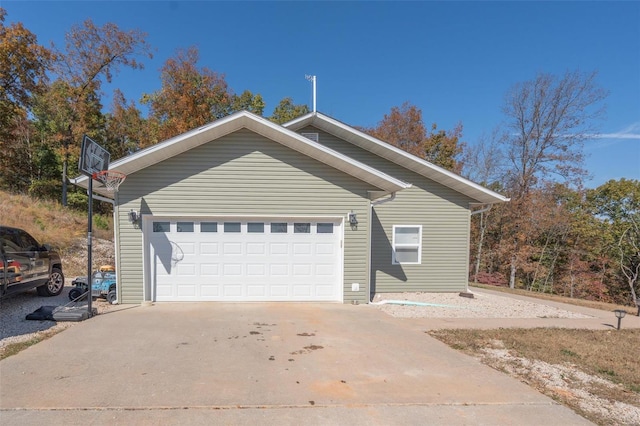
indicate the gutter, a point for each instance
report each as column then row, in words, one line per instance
column 384, row 200
column 105, row 199
column 486, row 209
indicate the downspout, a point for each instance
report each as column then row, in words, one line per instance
column 371, row 205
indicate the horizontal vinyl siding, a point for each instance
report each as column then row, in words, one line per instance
column 444, row 216
column 243, row 174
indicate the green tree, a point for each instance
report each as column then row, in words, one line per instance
column 23, row 67
column 126, row 130
column 249, row 102
column 72, row 105
column 617, row 204
column 286, row 111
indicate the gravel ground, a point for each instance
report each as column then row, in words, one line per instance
column 14, row 328
column 566, row 380
column 452, row 305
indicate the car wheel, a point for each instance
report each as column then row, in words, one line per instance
column 75, row 294
column 54, row 286
column 112, row 296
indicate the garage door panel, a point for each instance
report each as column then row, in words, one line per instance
column 246, row 260
column 300, row 249
column 302, row 290
column 278, row 249
column 303, row 270
column 279, row 270
column 325, row 249
column 209, row 290
column 326, row 269
column 209, row 270
column 232, row 290
column 278, row 291
column 232, row 269
column 186, row 269
column 256, row 291
column 256, row 248
column 256, row 269
column 232, row 248
column 188, row 248
column 186, row 291
column 209, row 248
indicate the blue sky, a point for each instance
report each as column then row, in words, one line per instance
column 454, row 60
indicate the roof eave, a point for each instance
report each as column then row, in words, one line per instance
column 398, row 156
column 243, row 119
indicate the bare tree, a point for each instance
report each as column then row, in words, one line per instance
column 483, row 163
column 548, row 119
column 630, row 258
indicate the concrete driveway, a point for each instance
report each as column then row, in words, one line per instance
column 266, row 363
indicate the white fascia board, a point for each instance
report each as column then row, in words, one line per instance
column 398, row 156
column 243, row 119
column 167, row 149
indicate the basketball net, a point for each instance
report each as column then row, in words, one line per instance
column 111, row 179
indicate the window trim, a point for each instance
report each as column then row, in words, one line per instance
column 395, row 245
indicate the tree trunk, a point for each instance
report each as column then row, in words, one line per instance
column 512, row 276
column 483, row 226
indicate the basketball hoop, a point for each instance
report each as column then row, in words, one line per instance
column 110, row 178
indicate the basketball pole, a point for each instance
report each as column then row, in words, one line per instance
column 89, row 227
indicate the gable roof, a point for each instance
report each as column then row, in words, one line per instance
column 436, row 173
column 246, row 120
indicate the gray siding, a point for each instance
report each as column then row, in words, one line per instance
column 242, row 174
column 443, row 213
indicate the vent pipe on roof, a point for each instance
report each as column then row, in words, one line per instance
column 312, row 79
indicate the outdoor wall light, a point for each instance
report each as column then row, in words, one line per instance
column 133, row 216
column 620, row 313
column 353, row 219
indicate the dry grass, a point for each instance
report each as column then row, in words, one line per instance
column 51, row 223
column 611, row 355
column 556, row 298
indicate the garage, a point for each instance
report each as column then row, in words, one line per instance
column 244, row 259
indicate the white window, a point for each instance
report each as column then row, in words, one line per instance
column 407, row 244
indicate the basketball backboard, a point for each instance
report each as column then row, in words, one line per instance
column 93, row 157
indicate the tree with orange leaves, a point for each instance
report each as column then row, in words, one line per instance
column 404, row 128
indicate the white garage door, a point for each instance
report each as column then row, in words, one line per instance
column 245, row 259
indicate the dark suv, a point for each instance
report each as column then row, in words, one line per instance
column 25, row 264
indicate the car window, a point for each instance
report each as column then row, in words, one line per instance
column 11, row 241
column 28, row 243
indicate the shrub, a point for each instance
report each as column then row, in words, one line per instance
column 101, row 222
column 77, row 201
column 491, row 278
